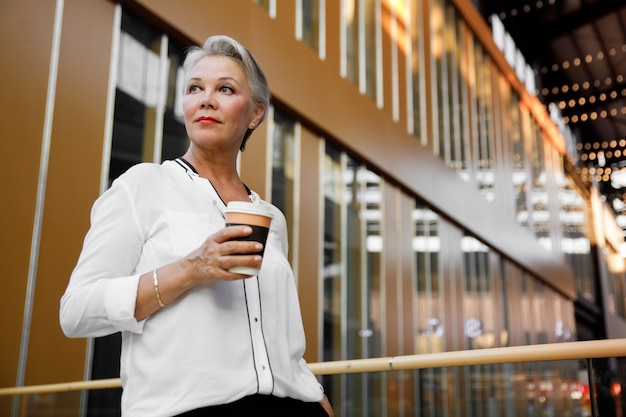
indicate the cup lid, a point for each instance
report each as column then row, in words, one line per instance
column 250, row 208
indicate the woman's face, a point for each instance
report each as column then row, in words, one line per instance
column 217, row 104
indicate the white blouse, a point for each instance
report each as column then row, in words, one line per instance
column 213, row 345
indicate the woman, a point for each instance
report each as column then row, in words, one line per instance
column 197, row 340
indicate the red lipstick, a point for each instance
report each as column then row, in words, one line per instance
column 206, row 120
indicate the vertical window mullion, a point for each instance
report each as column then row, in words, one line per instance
column 343, row 276
column 474, row 131
column 269, row 152
column 434, row 81
column 344, row 257
column 455, row 94
column 343, row 41
column 395, row 70
column 295, row 227
column 421, row 62
column 333, row 266
column 272, row 9
column 44, row 163
column 362, row 47
column 161, row 99
column 361, row 196
column 379, row 53
column 464, row 104
column 299, row 20
column 110, row 103
column 322, row 30
column 408, row 68
column 444, row 85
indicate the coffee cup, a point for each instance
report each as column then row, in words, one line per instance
column 258, row 217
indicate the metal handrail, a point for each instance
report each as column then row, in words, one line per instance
column 609, row 348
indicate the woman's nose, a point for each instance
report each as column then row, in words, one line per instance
column 208, row 100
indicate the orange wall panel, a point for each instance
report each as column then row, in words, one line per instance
column 25, row 33
column 308, row 274
column 73, row 182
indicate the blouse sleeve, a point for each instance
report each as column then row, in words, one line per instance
column 101, row 295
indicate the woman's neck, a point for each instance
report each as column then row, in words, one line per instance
column 213, row 166
column 223, row 176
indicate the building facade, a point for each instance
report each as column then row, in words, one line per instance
column 430, row 199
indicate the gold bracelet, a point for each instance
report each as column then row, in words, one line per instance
column 155, row 280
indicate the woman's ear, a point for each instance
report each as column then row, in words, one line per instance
column 259, row 111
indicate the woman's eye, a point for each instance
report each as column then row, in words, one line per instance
column 227, row 89
column 193, row 88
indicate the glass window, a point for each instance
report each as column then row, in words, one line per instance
column 527, row 311
column 483, row 118
column 332, row 266
column 416, row 62
column 478, row 296
column 175, row 140
column 353, row 285
column 269, row 5
column 310, row 22
column 478, row 320
column 518, row 155
column 136, row 96
column 439, row 114
column 540, row 308
column 369, row 81
column 361, row 34
column 458, row 95
column 373, row 327
column 427, row 246
column 363, row 282
column 148, row 123
column 575, row 243
column 539, row 196
column 430, row 306
column 503, row 312
column 284, row 171
column 616, row 301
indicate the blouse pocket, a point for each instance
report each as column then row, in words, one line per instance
column 190, row 230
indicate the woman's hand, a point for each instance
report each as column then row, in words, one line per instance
column 205, row 265
column 221, row 252
column 327, row 407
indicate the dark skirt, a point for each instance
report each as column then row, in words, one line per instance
column 261, row 406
